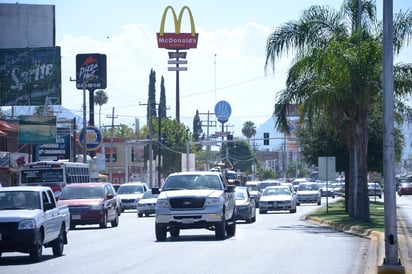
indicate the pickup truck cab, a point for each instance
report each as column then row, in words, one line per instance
column 195, row 199
column 30, row 220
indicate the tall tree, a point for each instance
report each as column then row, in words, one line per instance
column 337, row 72
column 249, row 129
column 197, row 129
column 151, row 102
column 100, row 98
column 162, row 102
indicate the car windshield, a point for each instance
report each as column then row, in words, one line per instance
column 308, row 187
column 276, row 191
column 240, row 195
column 149, row 195
column 82, row 192
column 179, row 182
column 130, row 189
column 252, row 187
column 19, row 200
column 374, row 185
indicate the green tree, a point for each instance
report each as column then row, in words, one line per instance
column 337, row 72
column 178, row 135
column 100, row 98
column 162, row 102
column 239, row 154
column 120, row 131
column 197, row 130
column 249, row 129
column 151, row 102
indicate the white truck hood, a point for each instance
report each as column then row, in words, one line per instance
column 14, row 215
column 191, row 193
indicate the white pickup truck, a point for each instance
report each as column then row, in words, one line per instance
column 195, row 199
column 30, row 220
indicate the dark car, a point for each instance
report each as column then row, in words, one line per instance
column 245, row 205
column 91, row 203
column 405, row 189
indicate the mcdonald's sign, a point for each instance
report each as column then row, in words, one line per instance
column 178, row 39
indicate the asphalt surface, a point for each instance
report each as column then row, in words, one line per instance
column 377, row 246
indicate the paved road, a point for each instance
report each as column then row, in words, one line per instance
column 276, row 243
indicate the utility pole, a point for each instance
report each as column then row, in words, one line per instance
column 209, row 124
column 111, row 147
column 390, row 226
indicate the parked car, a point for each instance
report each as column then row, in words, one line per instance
column 405, row 189
column 245, row 205
column 275, row 198
column 90, row 203
column 374, row 189
column 131, row 193
column 327, row 189
column 253, row 187
column 147, row 204
column 308, row 193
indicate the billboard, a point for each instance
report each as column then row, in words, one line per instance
column 178, row 39
column 27, row 26
column 30, row 76
column 37, row 130
column 91, row 71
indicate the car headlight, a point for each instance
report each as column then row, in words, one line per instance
column 162, row 203
column 213, row 201
column 96, row 207
column 27, row 224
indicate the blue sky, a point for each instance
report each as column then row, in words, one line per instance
column 227, row 65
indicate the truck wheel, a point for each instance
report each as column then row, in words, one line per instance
column 139, row 214
column 115, row 222
column 175, row 232
column 220, row 229
column 103, row 224
column 36, row 250
column 231, row 226
column 160, row 232
column 58, row 244
column 319, row 202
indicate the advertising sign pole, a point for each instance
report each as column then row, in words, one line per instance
column 84, row 124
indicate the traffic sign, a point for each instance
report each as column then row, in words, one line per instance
column 223, row 111
column 176, row 62
column 177, row 68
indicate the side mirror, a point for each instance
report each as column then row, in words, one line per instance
column 110, row 196
column 155, row 190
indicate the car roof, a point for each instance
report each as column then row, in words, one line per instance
column 86, row 184
column 24, row 188
column 195, row 173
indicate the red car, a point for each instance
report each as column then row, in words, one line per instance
column 405, row 189
column 91, row 203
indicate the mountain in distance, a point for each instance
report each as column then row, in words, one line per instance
column 59, row 111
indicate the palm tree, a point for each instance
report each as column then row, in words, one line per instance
column 100, row 98
column 337, row 75
column 249, row 129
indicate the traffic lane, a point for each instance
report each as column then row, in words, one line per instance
column 404, row 208
column 277, row 242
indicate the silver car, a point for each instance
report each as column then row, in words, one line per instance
column 308, row 193
column 276, row 198
column 147, row 204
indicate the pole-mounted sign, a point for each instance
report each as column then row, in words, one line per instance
column 91, row 71
column 178, row 39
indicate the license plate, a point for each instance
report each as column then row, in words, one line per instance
column 76, row 217
column 187, row 221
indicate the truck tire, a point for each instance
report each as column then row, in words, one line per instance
column 58, row 244
column 36, row 251
column 103, row 224
column 139, row 214
column 231, row 226
column 160, row 232
column 174, row 232
column 220, row 229
column 115, row 222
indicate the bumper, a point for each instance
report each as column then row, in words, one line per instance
column 14, row 240
column 275, row 206
column 86, row 219
column 189, row 219
column 128, row 205
column 242, row 213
